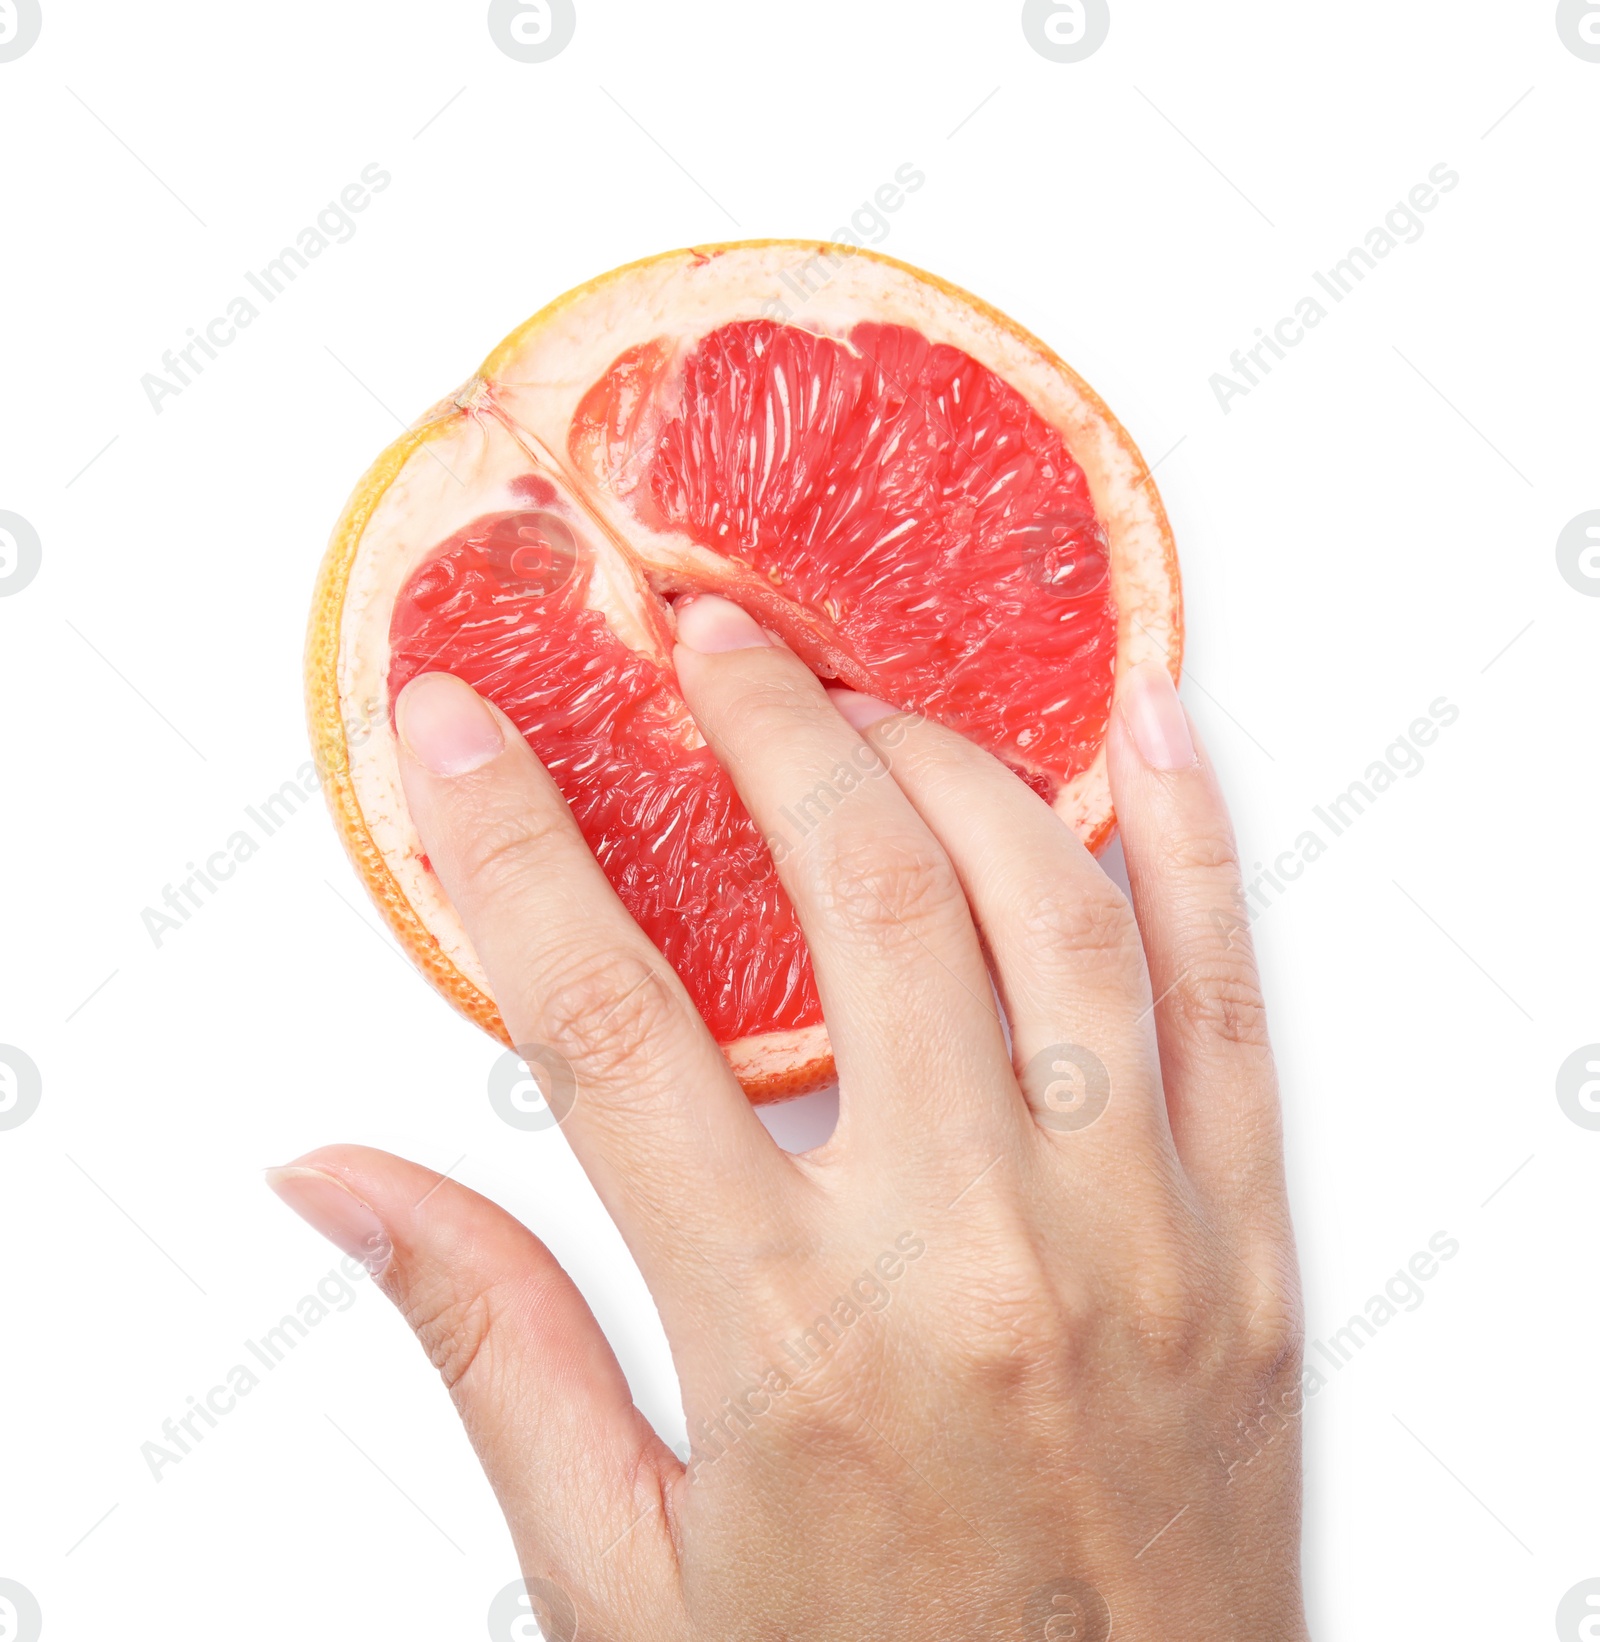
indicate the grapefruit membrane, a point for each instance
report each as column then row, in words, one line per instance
column 914, row 493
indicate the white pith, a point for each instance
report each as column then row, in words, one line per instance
column 526, row 405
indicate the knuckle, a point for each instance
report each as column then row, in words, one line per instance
column 498, row 846
column 1021, row 1334
column 607, row 1013
column 1273, row 1341
column 875, row 885
column 1175, row 1330
column 1206, row 851
column 774, row 705
column 1176, row 1289
column 1271, row 1336
column 1098, row 924
column 1219, row 996
column 453, row 1326
column 820, row 1417
column 819, row 1369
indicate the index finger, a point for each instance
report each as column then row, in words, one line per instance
column 655, row 1104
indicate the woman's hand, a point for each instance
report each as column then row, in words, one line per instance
column 1016, row 1354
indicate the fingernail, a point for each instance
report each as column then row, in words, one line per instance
column 859, row 711
column 1155, row 717
column 712, row 625
column 328, row 1206
column 448, row 728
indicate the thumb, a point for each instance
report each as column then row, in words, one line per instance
column 577, row 1468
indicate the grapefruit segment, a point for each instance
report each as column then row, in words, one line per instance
column 936, row 527
column 495, row 607
column 921, row 499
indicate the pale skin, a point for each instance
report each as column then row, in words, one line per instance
column 1058, row 1398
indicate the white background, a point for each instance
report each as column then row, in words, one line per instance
column 1365, row 532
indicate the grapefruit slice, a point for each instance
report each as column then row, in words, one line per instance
column 916, row 494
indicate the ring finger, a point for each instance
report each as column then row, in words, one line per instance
column 1061, row 936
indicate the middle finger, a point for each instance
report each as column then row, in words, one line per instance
column 904, row 988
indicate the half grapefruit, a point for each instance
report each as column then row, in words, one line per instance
column 916, row 494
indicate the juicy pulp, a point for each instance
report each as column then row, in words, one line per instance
column 892, row 507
